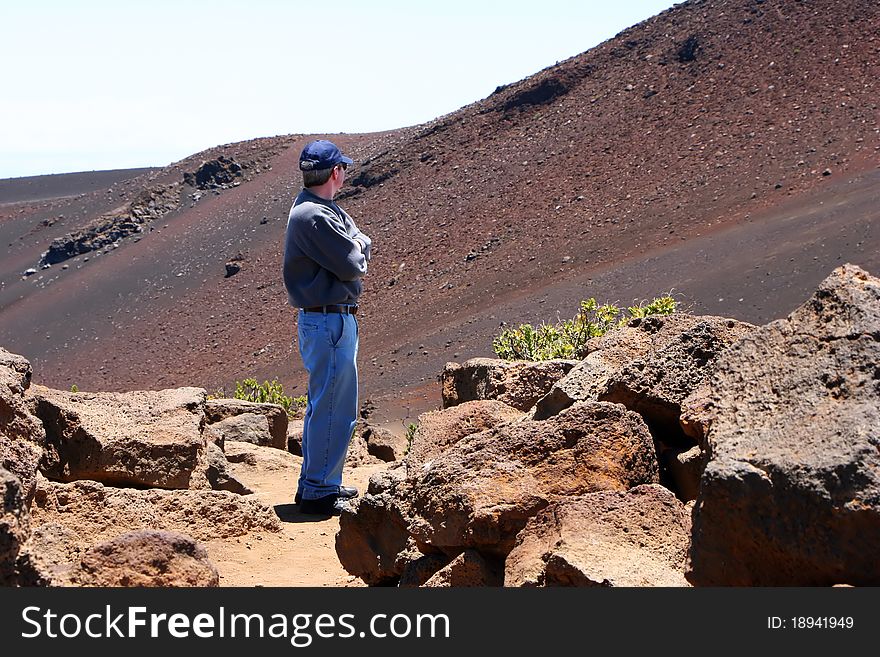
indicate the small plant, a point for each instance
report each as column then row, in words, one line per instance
column 269, row 392
column 410, row 435
column 568, row 339
column 219, row 393
column 74, row 388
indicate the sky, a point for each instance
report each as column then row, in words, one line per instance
column 95, row 85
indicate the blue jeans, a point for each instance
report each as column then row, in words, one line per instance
column 328, row 345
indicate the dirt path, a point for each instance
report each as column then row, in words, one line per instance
column 303, row 554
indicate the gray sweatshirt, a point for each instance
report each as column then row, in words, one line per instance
column 325, row 254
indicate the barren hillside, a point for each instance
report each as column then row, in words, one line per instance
column 726, row 149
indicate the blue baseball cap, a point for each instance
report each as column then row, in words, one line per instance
column 321, row 154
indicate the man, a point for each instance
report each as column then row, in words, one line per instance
column 325, row 257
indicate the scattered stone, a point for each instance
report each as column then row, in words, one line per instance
column 264, row 458
column 373, row 531
column 218, row 475
column 419, row 571
column 437, row 431
column 650, row 365
column 295, row 437
column 99, row 512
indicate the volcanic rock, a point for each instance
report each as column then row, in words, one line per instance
column 295, row 437
column 374, row 542
column 217, row 410
column 468, row 569
column 147, row 558
column 790, row 420
column 146, row 438
column 105, row 230
column 650, row 366
column 610, row 538
column 22, row 436
column 437, row 431
column 420, row 570
column 373, row 532
column 480, row 492
column 519, row 384
column 246, row 428
column 69, row 519
column 384, row 444
column 218, row 475
column 14, row 525
column 220, row 172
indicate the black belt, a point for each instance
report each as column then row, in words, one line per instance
column 345, row 310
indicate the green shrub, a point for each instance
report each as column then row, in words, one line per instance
column 74, row 388
column 269, row 392
column 568, row 339
column 410, row 435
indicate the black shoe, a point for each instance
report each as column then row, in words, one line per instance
column 345, row 492
column 329, row 505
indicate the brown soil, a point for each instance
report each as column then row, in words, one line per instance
column 304, row 553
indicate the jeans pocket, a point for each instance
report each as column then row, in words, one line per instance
column 335, row 328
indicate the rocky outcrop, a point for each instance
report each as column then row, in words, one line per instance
column 109, row 229
column 22, row 437
column 69, row 519
column 634, row 538
column 146, row 558
column 481, row 492
column 474, row 476
column 147, row 438
column 221, row 172
column 519, row 384
column 650, row 366
column 218, row 410
column 790, row 421
column 14, row 526
column 437, row 431
column 373, row 539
